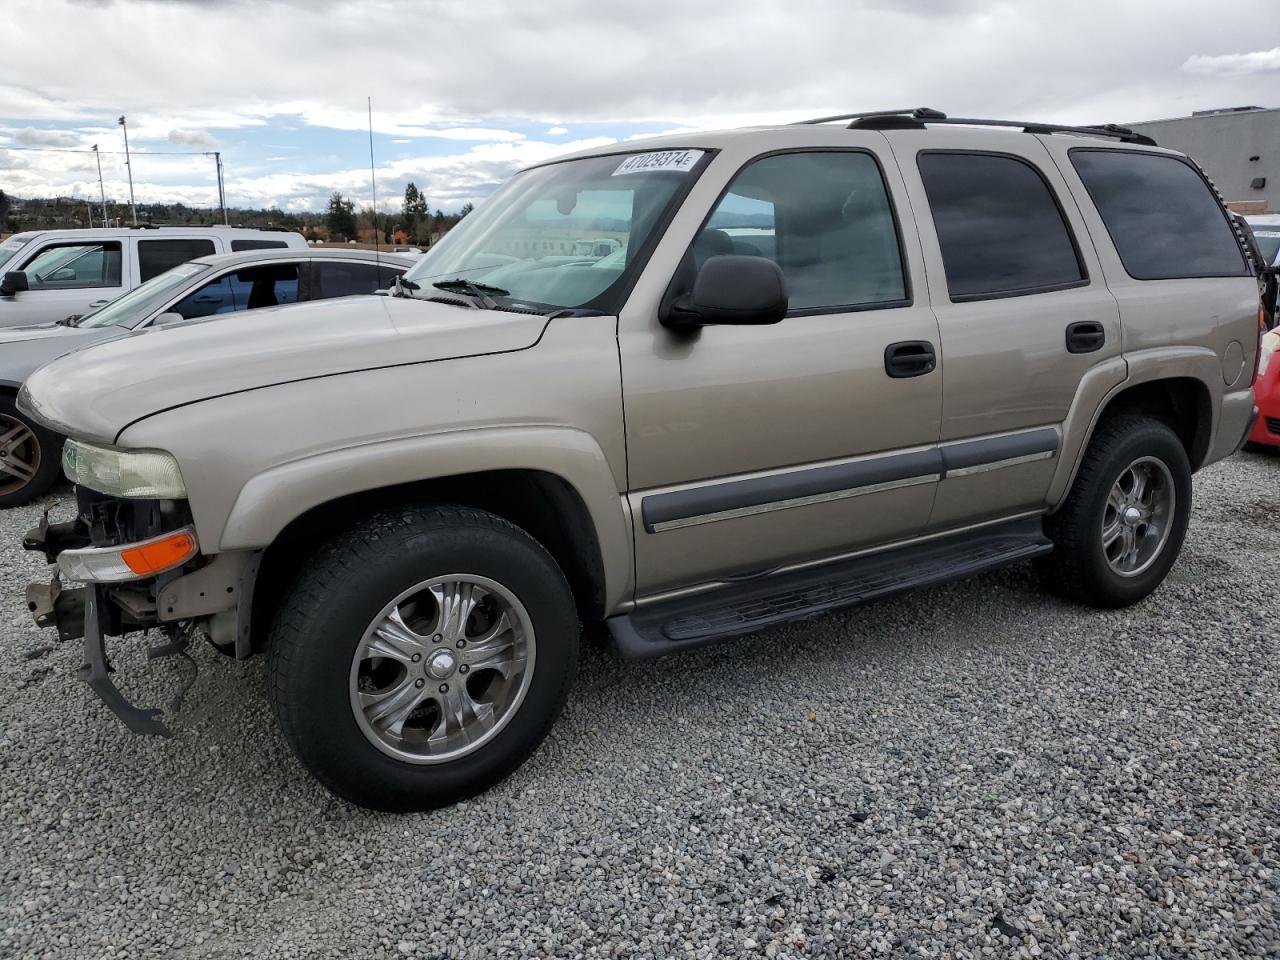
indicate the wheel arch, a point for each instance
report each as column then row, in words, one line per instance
column 1176, row 392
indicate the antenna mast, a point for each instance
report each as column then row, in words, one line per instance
column 373, row 180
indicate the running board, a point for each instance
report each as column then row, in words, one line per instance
column 730, row 611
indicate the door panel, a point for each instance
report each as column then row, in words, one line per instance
column 1010, row 375
column 753, row 447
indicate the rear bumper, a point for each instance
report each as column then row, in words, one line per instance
column 1267, row 390
column 1234, row 423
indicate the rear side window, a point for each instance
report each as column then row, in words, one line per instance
column 337, row 279
column 824, row 218
column 238, row 245
column 157, row 256
column 999, row 226
column 268, row 285
column 1162, row 217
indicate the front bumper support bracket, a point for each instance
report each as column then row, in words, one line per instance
column 96, row 672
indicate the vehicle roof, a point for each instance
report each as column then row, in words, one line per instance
column 303, row 253
column 1262, row 219
column 93, row 232
column 796, row 135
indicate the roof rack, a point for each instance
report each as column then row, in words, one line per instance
column 917, row 118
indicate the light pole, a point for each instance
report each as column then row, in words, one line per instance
column 222, row 194
column 129, row 167
column 101, row 189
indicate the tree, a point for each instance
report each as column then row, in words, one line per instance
column 414, row 211
column 340, row 218
column 466, row 208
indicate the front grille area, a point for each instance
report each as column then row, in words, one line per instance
column 1273, row 425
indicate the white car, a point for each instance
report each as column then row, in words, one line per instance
column 1266, row 230
column 49, row 275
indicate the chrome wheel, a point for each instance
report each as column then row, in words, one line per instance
column 1138, row 516
column 19, row 455
column 442, row 668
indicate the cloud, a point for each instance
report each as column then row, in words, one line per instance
column 192, row 138
column 404, row 140
column 1235, row 64
column 32, row 137
column 557, row 131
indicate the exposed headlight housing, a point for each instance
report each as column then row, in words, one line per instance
column 135, row 474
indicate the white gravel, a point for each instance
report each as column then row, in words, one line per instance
column 973, row 770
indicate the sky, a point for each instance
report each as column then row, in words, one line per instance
column 466, row 92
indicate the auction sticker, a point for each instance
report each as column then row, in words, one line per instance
column 681, row 161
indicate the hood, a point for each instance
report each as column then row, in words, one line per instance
column 24, row 349
column 94, row 394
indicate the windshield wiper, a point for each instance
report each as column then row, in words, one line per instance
column 72, row 321
column 480, row 292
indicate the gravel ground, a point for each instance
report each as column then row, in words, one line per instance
column 973, row 770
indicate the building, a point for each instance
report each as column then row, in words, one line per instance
column 1238, row 147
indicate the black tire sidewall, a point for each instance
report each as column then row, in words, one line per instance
column 1148, row 439
column 50, row 457
column 325, row 729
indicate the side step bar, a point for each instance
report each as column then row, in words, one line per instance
column 687, row 622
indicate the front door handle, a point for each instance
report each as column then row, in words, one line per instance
column 98, row 303
column 1085, row 337
column 909, row 358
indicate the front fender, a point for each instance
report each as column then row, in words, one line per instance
column 269, row 501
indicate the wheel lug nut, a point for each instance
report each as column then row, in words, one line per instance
column 444, row 688
column 436, row 639
column 463, row 669
column 417, row 657
column 461, row 644
column 419, row 684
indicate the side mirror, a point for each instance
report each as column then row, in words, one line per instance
column 15, row 281
column 732, row 289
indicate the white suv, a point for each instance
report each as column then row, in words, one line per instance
column 50, row 275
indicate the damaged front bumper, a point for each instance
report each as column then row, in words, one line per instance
column 202, row 597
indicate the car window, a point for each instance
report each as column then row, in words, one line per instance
column 338, row 279
column 238, row 245
column 267, row 285
column 824, row 218
column 74, row 266
column 1161, row 214
column 999, row 226
column 157, row 256
column 1268, row 244
column 9, row 249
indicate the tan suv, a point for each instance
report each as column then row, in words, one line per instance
column 816, row 364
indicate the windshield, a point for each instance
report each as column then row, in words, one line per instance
column 9, row 249
column 135, row 305
column 1268, row 242
column 564, row 235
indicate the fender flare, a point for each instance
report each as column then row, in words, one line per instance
column 1101, row 386
column 269, row 501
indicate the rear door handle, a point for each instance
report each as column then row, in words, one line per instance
column 909, row 358
column 1085, row 337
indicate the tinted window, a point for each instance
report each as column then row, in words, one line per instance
column 1162, row 216
column 268, row 285
column 74, row 266
column 157, row 256
column 824, row 218
column 239, row 245
column 999, row 227
column 337, row 279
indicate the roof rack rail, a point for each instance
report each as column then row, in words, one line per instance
column 920, row 116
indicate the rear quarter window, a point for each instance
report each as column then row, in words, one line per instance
column 1161, row 215
column 240, row 245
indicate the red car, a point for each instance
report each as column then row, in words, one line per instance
column 1266, row 390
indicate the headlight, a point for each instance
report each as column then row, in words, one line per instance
column 1270, row 344
column 137, row 474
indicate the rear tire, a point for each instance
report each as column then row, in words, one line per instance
column 30, row 461
column 391, row 701
column 1112, row 548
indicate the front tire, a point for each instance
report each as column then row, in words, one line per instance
column 29, row 456
column 422, row 657
column 1122, row 525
